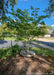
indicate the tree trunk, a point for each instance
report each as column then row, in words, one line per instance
column 26, row 45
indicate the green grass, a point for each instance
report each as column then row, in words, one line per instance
column 15, row 38
column 10, row 52
column 20, row 38
column 43, row 51
column 10, row 38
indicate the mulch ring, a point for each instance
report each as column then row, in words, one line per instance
column 27, row 66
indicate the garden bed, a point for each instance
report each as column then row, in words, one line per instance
column 26, row 66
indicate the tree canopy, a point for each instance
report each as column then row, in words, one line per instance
column 26, row 24
column 7, row 5
column 49, row 27
column 5, row 30
column 50, row 9
column 4, row 6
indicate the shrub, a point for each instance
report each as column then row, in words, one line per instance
column 9, row 52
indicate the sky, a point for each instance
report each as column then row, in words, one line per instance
column 42, row 4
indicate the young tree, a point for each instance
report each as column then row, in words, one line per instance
column 25, row 24
column 50, row 9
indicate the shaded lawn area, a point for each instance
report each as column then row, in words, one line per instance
column 10, row 52
column 14, row 64
column 47, row 53
column 43, row 51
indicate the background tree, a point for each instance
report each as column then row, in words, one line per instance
column 4, row 6
column 38, row 20
column 6, row 31
column 49, row 27
column 43, row 30
column 50, row 9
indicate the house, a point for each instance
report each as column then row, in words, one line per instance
column 48, row 35
column 52, row 34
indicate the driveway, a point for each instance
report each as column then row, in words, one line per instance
column 43, row 44
column 46, row 43
column 7, row 43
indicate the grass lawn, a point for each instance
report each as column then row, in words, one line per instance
column 10, row 52
column 13, row 38
column 10, row 38
column 43, row 51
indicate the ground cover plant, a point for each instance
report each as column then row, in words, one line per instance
column 8, row 52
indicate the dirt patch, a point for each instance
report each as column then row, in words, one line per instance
column 26, row 66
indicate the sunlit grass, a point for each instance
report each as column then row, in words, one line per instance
column 10, row 38
column 43, row 51
column 14, row 38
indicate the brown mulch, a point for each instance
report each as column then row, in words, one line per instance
column 26, row 66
